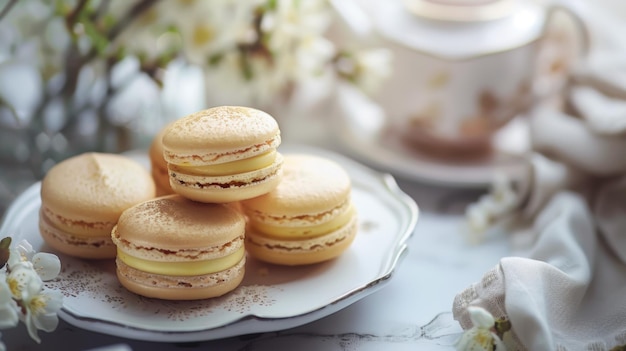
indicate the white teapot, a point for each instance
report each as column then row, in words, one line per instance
column 462, row 68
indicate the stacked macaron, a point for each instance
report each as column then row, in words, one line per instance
column 223, row 154
column 191, row 245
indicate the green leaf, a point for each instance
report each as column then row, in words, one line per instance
column 246, row 67
column 108, row 21
column 61, row 8
column 5, row 243
column 98, row 40
column 271, row 5
column 5, row 253
column 215, row 59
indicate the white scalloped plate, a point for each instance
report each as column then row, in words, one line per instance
column 270, row 298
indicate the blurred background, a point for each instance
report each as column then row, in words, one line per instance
column 98, row 75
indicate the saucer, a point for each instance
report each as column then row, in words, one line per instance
column 363, row 134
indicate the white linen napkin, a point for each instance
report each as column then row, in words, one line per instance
column 564, row 286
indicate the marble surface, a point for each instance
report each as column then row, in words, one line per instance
column 412, row 312
column 440, row 262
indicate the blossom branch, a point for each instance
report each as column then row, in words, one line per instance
column 138, row 9
column 7, row 8
column 72, row 17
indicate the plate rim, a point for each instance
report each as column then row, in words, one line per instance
column 30, row 196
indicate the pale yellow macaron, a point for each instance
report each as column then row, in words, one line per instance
column 223, row 154
column 308, row 218
column 158, row 166
column 82, row 198
column 176, row 249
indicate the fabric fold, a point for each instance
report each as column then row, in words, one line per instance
column 540, row 294
column 564, row 285
column 543, row 292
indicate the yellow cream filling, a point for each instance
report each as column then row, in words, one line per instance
column 182, row 268
column 312, row 231
column 234, row 167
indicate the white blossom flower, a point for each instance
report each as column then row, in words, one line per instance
column 141, row 37
column 478, row 220
column 41, row 307
column 292, row 20
column 22, row 252
column 295, row 30
column 369, row 68
column 21, row 37
column 312, row 57
column 47, row 265
column 212, row 28
column 22, row 292
column 480, row 337
column 23, row 280
column 118, row 9
column 500, row 201
column 8, row 307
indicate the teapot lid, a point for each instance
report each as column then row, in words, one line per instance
column 459, row 29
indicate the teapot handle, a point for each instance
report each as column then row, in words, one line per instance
column 574, row 9
column 547, row 87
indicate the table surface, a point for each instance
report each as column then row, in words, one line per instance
column 440, row 263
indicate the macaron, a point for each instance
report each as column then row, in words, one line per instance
column 223, row 154
column 308, row 218
column 158, row 166
column 173, row 248
column 82, row 198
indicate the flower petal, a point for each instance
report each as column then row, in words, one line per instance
column 475, row 339
column 24, row 281
column 8, row 308
column 480, row 317
column 29, row 321
column 47, row 265
column 47, row 322
column 41, row 312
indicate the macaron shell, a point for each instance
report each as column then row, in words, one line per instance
column 180, row 288
column 158, row 165
column 220, row 134
column 224, row 189
column 301, row 252
column 95, row 187
column 304, row 220
column 82, row 198
column 98, row 229
column 162, row 181
column 155, row 152
column 311, row 186
column 76, row 246
column 173, row 228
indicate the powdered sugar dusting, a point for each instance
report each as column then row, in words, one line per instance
column 279, row 296
column 85, row 284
